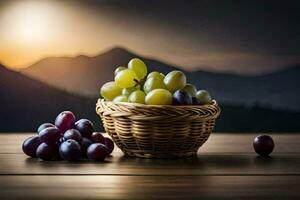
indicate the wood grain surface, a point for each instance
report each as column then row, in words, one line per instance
column 226, row 167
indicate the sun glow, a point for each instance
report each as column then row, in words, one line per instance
column 32, row 29
column 32, row 25
column 26, row 29
column 28, row 22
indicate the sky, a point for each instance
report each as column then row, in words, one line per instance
column 245, row 37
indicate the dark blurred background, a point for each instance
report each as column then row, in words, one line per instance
column 55, row 55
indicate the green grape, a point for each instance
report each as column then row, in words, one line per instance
column 139, row 67
column 175, row 80
column 156, row 74
column 137, row 96
column 119, row 69
column 121, row 98
column 204, row 97
column 159, row 97
column 110, row 90
column 190, row 89
column 153, row 83
column 128, row 91
column 126, row 78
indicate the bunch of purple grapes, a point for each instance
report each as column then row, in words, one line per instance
column 68, row 139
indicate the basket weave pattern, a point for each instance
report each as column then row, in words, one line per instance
column 158, row 131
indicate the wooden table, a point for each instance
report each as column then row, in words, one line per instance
column 226, row 168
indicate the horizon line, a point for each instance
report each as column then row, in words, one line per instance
column 204, row 68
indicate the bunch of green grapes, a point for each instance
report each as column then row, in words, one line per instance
column 132, row 84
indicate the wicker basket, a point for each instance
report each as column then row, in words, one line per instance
column 158, row 131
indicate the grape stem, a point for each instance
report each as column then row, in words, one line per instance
column 139, row 82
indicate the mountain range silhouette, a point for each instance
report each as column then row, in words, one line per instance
column 262, row 103
column 26, row 103
column 83, row 75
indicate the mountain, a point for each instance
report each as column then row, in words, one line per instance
column 84, row 76
column 80, row 75
column 26, row 103
column 278, row 90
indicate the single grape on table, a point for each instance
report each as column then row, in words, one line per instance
column 263, row 145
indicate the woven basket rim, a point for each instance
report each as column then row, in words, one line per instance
column 138, row 105
column 158, row 112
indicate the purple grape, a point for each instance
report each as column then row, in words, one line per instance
column 181, row 97
column 97, row 152
column 70, row 150
column 263, row 145
column 85, row 143
column 196, row 101
column 85, row 127
column 72, row 134
column 109, row 144
column 43, row 126
column 30, row 145
column 65, row 121
column 47, row 152
column 50, row 135
column 97, row 137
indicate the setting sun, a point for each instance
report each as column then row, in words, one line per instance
column 31, row 22
column 32, row 30
column 27, row 27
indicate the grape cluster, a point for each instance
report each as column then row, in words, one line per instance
column 133, row 85
column 68, row 140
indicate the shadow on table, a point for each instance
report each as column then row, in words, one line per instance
column 202, row 161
